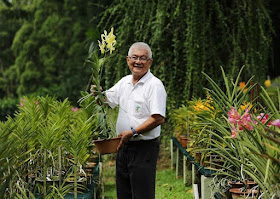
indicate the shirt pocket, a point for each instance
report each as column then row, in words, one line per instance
column 139, row 108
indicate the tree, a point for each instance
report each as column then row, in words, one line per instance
column 44, row 48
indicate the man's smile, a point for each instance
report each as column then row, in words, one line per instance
column 138, row 66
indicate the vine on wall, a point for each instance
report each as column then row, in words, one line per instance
column 188, row 37
column 43, row 48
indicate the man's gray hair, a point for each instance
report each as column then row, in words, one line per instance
column 141, row 45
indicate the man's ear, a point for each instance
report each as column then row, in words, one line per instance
column 151, row 62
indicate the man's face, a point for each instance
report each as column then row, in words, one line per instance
column 139, row 62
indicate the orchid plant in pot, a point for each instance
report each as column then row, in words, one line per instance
column 240, row 137
column 97, row 99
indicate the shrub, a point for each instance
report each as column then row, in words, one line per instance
column 8, row 106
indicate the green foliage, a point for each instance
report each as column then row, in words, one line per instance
column 43, row 48
column 44, row 138
column 250, row 154
column 8, row 106
column 188, row 37
column 48, row 41
column 96, row 103
column 167, row 186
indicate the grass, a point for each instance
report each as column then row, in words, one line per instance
column 167, row 186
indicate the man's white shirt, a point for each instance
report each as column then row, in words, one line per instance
column 137, row 103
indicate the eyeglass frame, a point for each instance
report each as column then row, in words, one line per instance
column 139, row 58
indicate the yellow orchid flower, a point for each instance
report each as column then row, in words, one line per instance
column 102, row 46
column 108, row 41
column 267, row 83
column 199, row 106
column 112, row 49
column 244, row 106
column 111, row 41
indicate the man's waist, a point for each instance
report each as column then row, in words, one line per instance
column 141, row 142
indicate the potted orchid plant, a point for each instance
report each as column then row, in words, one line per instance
column 242, row 137
column 96, row 99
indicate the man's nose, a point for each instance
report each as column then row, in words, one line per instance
column 138, row 60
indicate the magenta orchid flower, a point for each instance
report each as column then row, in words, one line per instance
column 233, row 132
column 263, row 118
column 233, row 116
column 276, row 123
column 246, row 122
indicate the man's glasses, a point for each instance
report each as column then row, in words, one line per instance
column 142, row 58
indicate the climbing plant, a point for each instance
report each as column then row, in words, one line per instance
column 188, row 37
column 45, row 46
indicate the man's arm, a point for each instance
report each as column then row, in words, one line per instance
column 151, row 123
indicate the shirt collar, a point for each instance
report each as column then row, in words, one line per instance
column 143, row 79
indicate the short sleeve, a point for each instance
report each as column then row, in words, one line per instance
column 157, row 100
column 112, row 95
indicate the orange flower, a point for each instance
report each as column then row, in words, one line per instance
column 241, row 85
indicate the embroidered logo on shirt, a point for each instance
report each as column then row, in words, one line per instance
column 137, row 109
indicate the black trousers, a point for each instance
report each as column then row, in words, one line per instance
column 136, row 169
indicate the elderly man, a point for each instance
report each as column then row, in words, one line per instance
column 141, row 98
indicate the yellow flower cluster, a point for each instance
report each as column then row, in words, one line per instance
column 108, row 42
column 267, row 83
column 202, row 105
column 199, row 106
column 244, row 106
column 208, row 97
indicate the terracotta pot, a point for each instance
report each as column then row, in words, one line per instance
column 238, row 184
column 107, row 146
column 184, row 141
column 236, row 193
column 216, row 161
column 90, row 164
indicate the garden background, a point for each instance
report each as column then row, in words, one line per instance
column 44, row 45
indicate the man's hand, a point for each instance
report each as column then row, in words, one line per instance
column 94, row 90
column 100, row 99
column 125, row 137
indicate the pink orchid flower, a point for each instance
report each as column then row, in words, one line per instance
column 276, row 123
column 245, row 121
column 74, row 109
column 21, row 102
column 233, row 132
column 263, row 118
column 233, row 116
